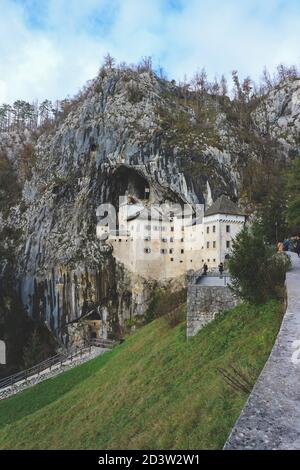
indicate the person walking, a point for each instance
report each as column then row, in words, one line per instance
column 221, row 269
column 297, row 248
column 288, row 245
column 205, row 269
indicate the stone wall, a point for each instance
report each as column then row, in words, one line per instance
column 270, row 419
column 204, row 302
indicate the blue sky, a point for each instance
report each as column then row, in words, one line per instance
column 50, row 48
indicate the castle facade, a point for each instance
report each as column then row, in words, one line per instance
column 166, row 241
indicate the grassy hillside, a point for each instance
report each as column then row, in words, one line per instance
column 155, row 391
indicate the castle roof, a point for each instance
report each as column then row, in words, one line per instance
column 223, row 205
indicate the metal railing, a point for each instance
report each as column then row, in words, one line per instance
column 102, row 343
column 224, row 276
column 42, row 366
column 55, row 360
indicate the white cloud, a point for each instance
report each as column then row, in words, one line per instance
column 58, row 57
column 48, row 63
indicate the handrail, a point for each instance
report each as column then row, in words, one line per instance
column 102, row 342
column 51, row 361
column 40, row 367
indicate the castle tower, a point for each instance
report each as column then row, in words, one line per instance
column 222, row 222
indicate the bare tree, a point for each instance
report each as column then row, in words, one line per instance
column 145, row 65
column 223, row 86
column 109, row 61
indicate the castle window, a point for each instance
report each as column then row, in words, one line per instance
column 120, row 239
column 207, row 229
column 163, row 251
column 214, row 244
column 208, row 260
column 214, row 229
column 182, row 228
column 164, row 240
column 171, row 259
column 171, row 240
column 147, row 239
column 148, row 227
column 172, row 229
column 214, row 260
column 182, row 251
column 227, row 244
column 147, row 250
column 207, row 244
column 228, row 228
column 182, row 240
column 171, row 250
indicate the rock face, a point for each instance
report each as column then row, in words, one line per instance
column 278, row 116
column 127, row 130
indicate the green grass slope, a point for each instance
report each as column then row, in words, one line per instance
column 155, row 391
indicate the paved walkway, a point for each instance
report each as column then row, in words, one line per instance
column 48, row 373
column 213, row 281
column 271, row 416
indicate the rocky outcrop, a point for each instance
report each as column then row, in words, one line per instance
column 113, row 140
column 278, row 116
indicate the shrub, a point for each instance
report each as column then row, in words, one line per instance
column 176, row 316
column 257, row 271
column 135, row 95
column 164, row 302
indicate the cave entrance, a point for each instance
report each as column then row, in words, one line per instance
column 129, row 181
column 93, row 324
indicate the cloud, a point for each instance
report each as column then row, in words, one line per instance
column 50, row 48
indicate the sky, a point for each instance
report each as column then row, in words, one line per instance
column 50, row 48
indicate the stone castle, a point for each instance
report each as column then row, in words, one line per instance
column 165, row 241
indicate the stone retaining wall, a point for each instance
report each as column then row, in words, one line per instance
column 204, row 303
column 271, row 416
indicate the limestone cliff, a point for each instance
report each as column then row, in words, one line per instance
column 128, row 129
